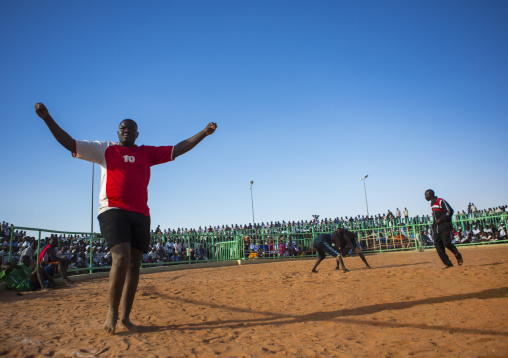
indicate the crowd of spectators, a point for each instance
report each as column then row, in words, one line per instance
column 272, row 239
column 75, row 248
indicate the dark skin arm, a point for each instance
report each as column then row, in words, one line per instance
column 60, row 135
column 11, row 268
column 52, row 255
column 186, row 145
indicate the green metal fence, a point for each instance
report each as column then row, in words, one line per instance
column 282, row 242
column 91, row 239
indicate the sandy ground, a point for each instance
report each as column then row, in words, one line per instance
column 407, row 305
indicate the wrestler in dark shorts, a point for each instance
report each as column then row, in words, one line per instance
column 119, row 226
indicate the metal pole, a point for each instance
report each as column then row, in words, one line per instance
column 365, row 191
column 91, row 221
column 252, row 201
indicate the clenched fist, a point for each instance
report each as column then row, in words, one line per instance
column 41, row 110
column 210, row 128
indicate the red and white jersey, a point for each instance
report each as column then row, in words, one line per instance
column 125, row 172
column 437, row 206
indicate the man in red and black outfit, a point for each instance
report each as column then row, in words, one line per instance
column 124, row 216
column 442, row 228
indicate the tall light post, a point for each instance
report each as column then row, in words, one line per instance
column 252, row 201
column 91, row 216
column 91, row 221
column 365, row 191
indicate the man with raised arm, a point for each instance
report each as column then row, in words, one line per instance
column 124, row 216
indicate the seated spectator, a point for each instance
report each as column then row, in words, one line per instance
column 426, row 240
column 51, row 263
column 290, row 249
column 483, row 236
column 28, row 250
column 476, row 233
column 200, row 253
column 502, row 232
column 4, row 254
column 24, row 278
column 466, row 236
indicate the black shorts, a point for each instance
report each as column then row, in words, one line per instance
column 120, row 226
column 323, row 246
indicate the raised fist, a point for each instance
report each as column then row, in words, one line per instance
column 210, row 128
column 41, row 110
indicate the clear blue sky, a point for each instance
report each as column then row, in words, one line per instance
column 308, row 96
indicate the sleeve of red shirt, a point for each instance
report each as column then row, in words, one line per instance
column 162, row 154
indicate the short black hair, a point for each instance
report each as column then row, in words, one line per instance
column 431, row 191
column 129, row 120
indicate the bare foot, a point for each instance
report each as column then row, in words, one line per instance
column 129, row 325
column 110, row 323
column 68, row 281
column 314, row 271
column 346, row 270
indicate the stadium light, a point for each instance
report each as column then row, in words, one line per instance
column 365, row 191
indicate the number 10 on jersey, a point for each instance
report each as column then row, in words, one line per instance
column 129, row 158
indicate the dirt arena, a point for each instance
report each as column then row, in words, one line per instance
column 407, row 305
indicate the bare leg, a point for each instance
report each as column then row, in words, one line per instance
column 340, row 263
column 121, row 256
column 363, row 259
column 129, row 289
column 318, row 261
column 46, row 276
column 37, row 277
column 62, row 267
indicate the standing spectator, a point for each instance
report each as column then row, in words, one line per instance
column 442, row 227
column 406, row 214
column 178, row 249
column 282, row 249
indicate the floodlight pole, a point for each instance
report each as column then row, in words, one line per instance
column 91, row 220
column 365, row 191
column 252, row 201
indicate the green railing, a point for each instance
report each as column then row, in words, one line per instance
column 91, row 239
column 270, row 243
